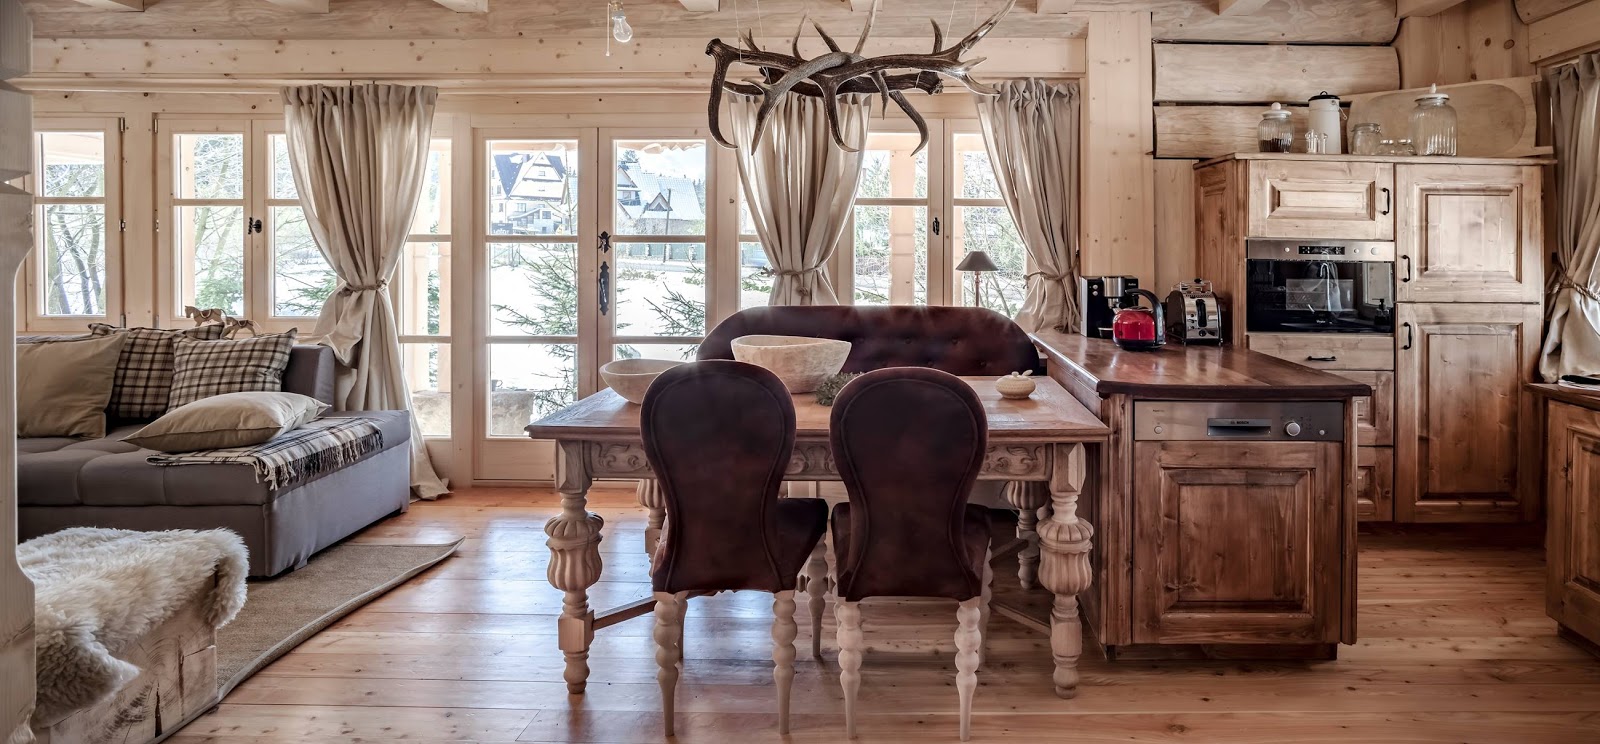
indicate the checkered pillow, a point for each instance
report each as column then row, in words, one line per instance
column 202, row 369
column 143, row 381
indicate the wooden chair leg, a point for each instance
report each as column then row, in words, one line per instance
column 783, row 633
column 669, row 654
column 816, row 593
column 983, row 607
column 968, row 640
column 848, row 615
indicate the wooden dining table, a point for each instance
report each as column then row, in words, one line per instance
column 1039, row 442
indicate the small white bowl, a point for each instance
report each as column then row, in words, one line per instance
column 801, row 362
column 631, row 377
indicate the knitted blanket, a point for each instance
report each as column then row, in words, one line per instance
column 99, row 591
column 321, row 446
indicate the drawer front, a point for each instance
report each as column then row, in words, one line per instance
column 1375, row 484
column 1375, row 413
column 1307, row 199
column 1331, row 351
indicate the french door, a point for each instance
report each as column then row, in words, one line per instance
column 596, row 244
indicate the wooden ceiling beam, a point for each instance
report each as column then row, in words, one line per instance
column 1056, row 6
column 1409, row 8
column 466, row 6
column 302, row 6
column 702, row 6
column 1239, row 7
column 137, row 5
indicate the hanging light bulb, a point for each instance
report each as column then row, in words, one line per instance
column 620, row 30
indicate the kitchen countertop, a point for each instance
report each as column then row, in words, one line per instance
column 1565, row 394
column 1178, row 372
column 1402, row 159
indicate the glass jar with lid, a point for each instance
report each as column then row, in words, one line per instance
column 1404, row 148
column 1433, row 124
column 1365, row 139
column 1275, row 133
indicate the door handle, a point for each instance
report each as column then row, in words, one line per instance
column 1407, row 259
column 605, row 287
column 936, row 226
column 605, row 242
column 252, row 226
column 1388, row 201
column 1410, row 336
column 1328, row 358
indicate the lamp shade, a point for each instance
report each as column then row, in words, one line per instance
column 976, row 261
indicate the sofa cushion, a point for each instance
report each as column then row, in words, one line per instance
column 112, row 472
column 63, row 387
column 201, row 369
column 227, row 420
column 144, row 371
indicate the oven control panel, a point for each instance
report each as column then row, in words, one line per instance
column 1197, row 421
column 1319, row 250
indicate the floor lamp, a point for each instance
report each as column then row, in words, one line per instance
column 977, row 262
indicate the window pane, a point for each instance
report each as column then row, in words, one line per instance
column 891, row 256
column 533, row 188
column 433, row 204
column 661, row 187
column 74, row 164
column 747, row 224
column 755, row 284
column 989, row 229
column 427, row 370
column 533, row 289
column 974, row 174
column 888, row 170
column 301, row 277
column 527, row 381
column 670, row 352
column 424, row 290
column 72, row 240
column 209, row 252
column 282, row 172
column 661, row 289
column 210, row 166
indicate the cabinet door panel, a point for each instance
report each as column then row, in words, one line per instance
column 1572, row 544
column 1375, row 484
column 1375, row 413
column 1312, row 199
column 1236, row 542
column 1469, row 233
column 1461, row 415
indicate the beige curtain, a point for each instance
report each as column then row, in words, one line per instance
column 1572, row 342
column 800, row 187
column 359, row 154
column 1031, row 133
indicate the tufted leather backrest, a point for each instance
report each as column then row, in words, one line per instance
column 965, row 341
column 718, row 435
column 909, row 444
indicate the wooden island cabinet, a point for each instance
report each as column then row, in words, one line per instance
column 1572, row 496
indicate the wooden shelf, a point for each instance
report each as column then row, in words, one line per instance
column 1432, row 160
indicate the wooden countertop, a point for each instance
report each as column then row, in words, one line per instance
column 1418, row 159
column 1566, row 395
column 1175, row 371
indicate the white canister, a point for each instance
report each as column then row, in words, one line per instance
column 1326, row 118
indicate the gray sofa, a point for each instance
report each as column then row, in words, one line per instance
column 64, row 482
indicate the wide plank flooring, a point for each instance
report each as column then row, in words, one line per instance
column 1455, row 648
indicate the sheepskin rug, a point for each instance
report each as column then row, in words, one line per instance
column 99, row 591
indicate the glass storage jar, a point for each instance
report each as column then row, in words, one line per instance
column 1433, row 124
column 1365, row 138
column 1275, row 133
column 1404, row 148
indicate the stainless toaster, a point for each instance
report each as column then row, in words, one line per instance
column 1194, row 314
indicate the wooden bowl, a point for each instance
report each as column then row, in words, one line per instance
column 631, row 377
column 801, row 362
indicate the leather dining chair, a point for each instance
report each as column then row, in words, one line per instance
column 718, row 435
column 909, row 443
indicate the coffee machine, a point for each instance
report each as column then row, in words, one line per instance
column 1098, row 300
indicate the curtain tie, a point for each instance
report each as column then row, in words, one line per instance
column 802, row 291
column 1050, row 277
column 353, row 288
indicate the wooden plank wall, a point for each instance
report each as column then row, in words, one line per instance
column 1475, row 40
column 1559, row 30
column 1117, row 196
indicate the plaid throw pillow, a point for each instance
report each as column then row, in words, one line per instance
column 202, row 369
column 143, row 381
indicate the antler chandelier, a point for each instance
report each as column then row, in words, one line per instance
column 840, row 72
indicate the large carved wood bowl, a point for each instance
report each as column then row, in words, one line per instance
column 801, row 362
column 631, row 377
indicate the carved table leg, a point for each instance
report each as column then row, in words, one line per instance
column 816, row 587
column 1065, row 569
column 650, row 497
column 1028, row 497
column 574, row 561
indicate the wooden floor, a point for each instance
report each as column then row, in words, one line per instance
column 1455, row 648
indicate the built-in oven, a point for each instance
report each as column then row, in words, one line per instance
column 1319, row 286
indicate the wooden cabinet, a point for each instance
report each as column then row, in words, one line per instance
column 1233, row 542
column 1461, row 416
column 1330, row 351
column 1469, row 233
column 1374, row 414
column 1321, row 199
column 1375, row 484
column 1572, row 538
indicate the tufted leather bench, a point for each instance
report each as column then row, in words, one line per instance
column 963, row 341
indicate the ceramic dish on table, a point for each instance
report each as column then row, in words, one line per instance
column 631, row 377
column 801, row 362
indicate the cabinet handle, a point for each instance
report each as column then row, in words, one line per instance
column 1410, row 336
column 1407, row 259
column 1388, row 201
column 1328, row 358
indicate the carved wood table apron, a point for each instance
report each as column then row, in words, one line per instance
column 1041, row 439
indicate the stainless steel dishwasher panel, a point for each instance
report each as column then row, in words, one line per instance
column 1261, row 421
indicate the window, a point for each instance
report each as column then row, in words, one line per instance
column 982, row 223
column 755, row 270
column 75, row 273
column 658, row 219
column 421, row 294
column 890, row 246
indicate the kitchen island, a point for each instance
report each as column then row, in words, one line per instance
column 1224, row 504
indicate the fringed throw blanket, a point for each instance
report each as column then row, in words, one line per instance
column 319, row 447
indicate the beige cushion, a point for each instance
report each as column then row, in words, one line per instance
column 227, row 420
column 63, row 386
